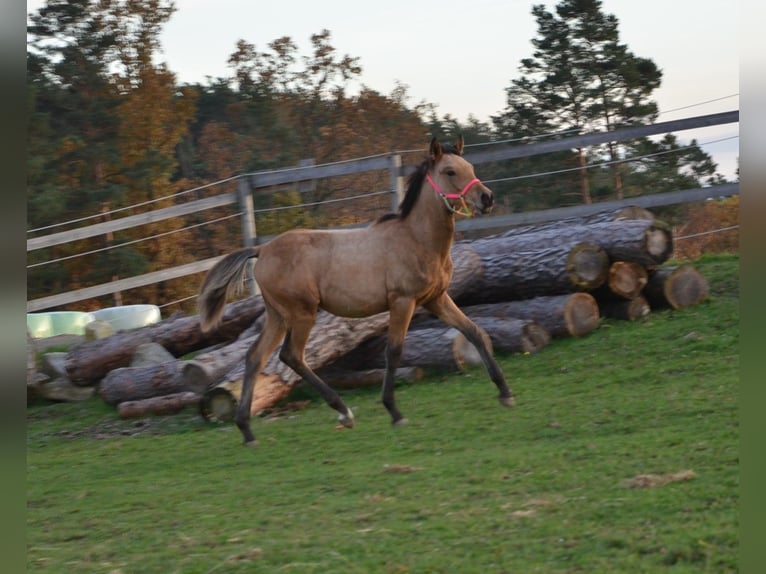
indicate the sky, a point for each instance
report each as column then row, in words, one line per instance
column 461, row 55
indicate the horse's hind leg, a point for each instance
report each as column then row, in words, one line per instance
column 259, row 352
column 444, row 308
column 292, row 354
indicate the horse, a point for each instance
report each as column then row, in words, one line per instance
column 398, row 262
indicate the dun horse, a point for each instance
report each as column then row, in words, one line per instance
column 400, row 261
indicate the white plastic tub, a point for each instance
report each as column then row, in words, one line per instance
column 42, row 325
column 127, row 317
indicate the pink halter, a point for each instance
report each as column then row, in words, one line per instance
column 464, row 210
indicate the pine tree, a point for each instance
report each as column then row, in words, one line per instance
column 580, row 77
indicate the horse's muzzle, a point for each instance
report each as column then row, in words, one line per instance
column 487, row 201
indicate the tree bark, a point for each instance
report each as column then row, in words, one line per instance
column 508, row 335
column 138, row 383
column 90, row 361
column 435, row 345
column 624, row 213
column 569, row 315
column 646, row 242
column 522, row 274
column 676, row 287
column 339, row 378
column 162, row 405
column 625, row 309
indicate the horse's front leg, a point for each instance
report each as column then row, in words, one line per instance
column 446, row 309
column 401, row 311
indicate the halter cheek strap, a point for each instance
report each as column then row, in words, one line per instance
column 464, row 209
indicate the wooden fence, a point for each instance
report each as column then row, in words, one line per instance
column 393, row 163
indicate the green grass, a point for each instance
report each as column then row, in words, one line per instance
column 467, row 487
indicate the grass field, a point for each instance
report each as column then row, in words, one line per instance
column 621, row 455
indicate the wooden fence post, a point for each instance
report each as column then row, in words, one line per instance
column 397, row 181
column 249, row 237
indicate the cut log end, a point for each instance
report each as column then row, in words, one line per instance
column 627, row 279
column 677, row 287
column 659, row 242
column 534, row 338
column 219, row 404
column 627, row 310
column 686, row 287
column 587, row 266
column 581, row 314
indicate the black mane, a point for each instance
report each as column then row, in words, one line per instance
column 414, row 184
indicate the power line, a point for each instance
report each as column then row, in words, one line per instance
column 731, row 227
column 607, row 163
column 699, row 104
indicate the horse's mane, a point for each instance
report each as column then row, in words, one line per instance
column 414, row 185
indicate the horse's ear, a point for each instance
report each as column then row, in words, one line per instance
column 459, row 144
column 435, row 150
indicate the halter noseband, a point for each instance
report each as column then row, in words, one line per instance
column 464, row 209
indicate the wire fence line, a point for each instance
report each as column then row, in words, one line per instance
column 384, row 154
column 396, row 171
column 361, row 196
column 703, row 233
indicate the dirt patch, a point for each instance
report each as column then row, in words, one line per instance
column 655, row 480
column 123, row 428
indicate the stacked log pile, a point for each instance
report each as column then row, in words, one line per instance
column 525, row 287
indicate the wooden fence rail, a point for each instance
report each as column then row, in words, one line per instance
column 397, row 172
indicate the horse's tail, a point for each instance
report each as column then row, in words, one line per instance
column 224, row 279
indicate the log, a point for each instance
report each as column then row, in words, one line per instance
column 435, row 348
column 621, row 214
column 569, row 315
column 61, row 389
column 219, row 404
column 508, row 335
column 163, row 405
column 676, row 286
column 438, row 346
column 207, row 369
column 90, row 361
column 506, row 275
column 647, row 242
column 339, row 378
column 138, row 383
column 330, row 338
column 626, row 280
column 627, row 310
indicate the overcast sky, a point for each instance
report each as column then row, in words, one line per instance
column 461, row 55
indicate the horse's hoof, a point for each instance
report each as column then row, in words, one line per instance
column 401, row 423
column 346, row 421
column 506, row 401
column 252, row 443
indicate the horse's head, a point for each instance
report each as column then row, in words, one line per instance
column 453, row 178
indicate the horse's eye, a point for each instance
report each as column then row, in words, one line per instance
column 451, row 172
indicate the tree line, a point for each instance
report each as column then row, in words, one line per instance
column 109, row 127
